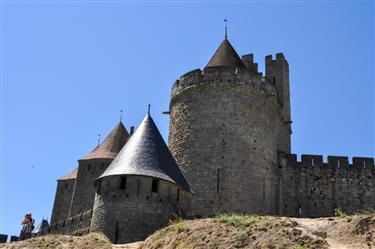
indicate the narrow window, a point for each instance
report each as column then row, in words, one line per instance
column 299, row 209
column 89, row 167
column 264, row 189
column 218, row 180
column 66, row 186
column 123, row 182
column 138, row 187
column 155, row 185
column 178, row 194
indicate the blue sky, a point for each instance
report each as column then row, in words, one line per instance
column 68, row 68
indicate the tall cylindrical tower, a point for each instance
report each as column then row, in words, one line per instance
column 224, row 126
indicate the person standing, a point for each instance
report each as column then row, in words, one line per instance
column 27, row 226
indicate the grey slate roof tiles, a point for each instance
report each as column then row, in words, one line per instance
column 39, row 228
column 146, row 154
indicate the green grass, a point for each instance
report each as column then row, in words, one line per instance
column 339, row 213
column 236, row 220
column 242, row 235
column 178, row 225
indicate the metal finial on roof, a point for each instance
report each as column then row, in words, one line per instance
column 120, row 115
column 149, row 108
column 226, row 29
column 98, row 139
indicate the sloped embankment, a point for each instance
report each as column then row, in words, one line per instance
column 234, row 231
column 90, row 241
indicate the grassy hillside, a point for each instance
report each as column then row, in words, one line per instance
column 235, row 231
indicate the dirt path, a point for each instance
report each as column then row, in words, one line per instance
column 334, row 233
column 134, row 245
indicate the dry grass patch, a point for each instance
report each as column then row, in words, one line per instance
column 90, row 241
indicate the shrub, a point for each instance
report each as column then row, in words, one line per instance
column 339, row 213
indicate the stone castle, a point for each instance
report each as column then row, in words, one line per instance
column 229, row 152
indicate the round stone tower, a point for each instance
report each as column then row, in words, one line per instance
column 141, row 189
column 92, row 166
column 227, row 124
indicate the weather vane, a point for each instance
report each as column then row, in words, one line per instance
column 120, row 115
column 98, row 139
column 149, row 107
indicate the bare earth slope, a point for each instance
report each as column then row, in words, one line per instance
column 235, row 231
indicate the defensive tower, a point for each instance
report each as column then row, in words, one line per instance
column 141, row 189
column 63, row 196
column 92, row 166
column 227, row 124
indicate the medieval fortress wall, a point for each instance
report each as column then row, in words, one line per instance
column 314, row 188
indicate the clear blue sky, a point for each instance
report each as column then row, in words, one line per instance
column 69, row 67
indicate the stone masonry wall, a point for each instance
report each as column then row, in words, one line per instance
column 84, row 190
column 63, row 198
column 76, row 225
column 134, row 212
column 223, row 132
column 313, row 188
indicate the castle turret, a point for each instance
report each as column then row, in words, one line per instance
column 92, row 166
column 278, row 71
column 141, row 189
column 223, row 133
column 63, row 196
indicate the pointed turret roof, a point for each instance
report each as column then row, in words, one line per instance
column 111, row 145
column 225, row 56
column 42, row 225
column 71, row 175
column 147, row 154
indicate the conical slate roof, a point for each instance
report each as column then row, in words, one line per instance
column 225, row 56
column 41, row 226
column 71, row 175
column 147, row 154
column 111, row 145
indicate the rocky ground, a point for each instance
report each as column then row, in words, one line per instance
column 235, row 231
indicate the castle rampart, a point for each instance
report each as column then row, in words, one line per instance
column 224, row 76
column 313, row 188
column 76, row 225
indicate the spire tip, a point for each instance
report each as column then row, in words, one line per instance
column 226, row 29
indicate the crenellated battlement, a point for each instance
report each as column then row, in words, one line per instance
column 317, row 186
column 333, row 162
column 225, row 75
column 76, row 225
